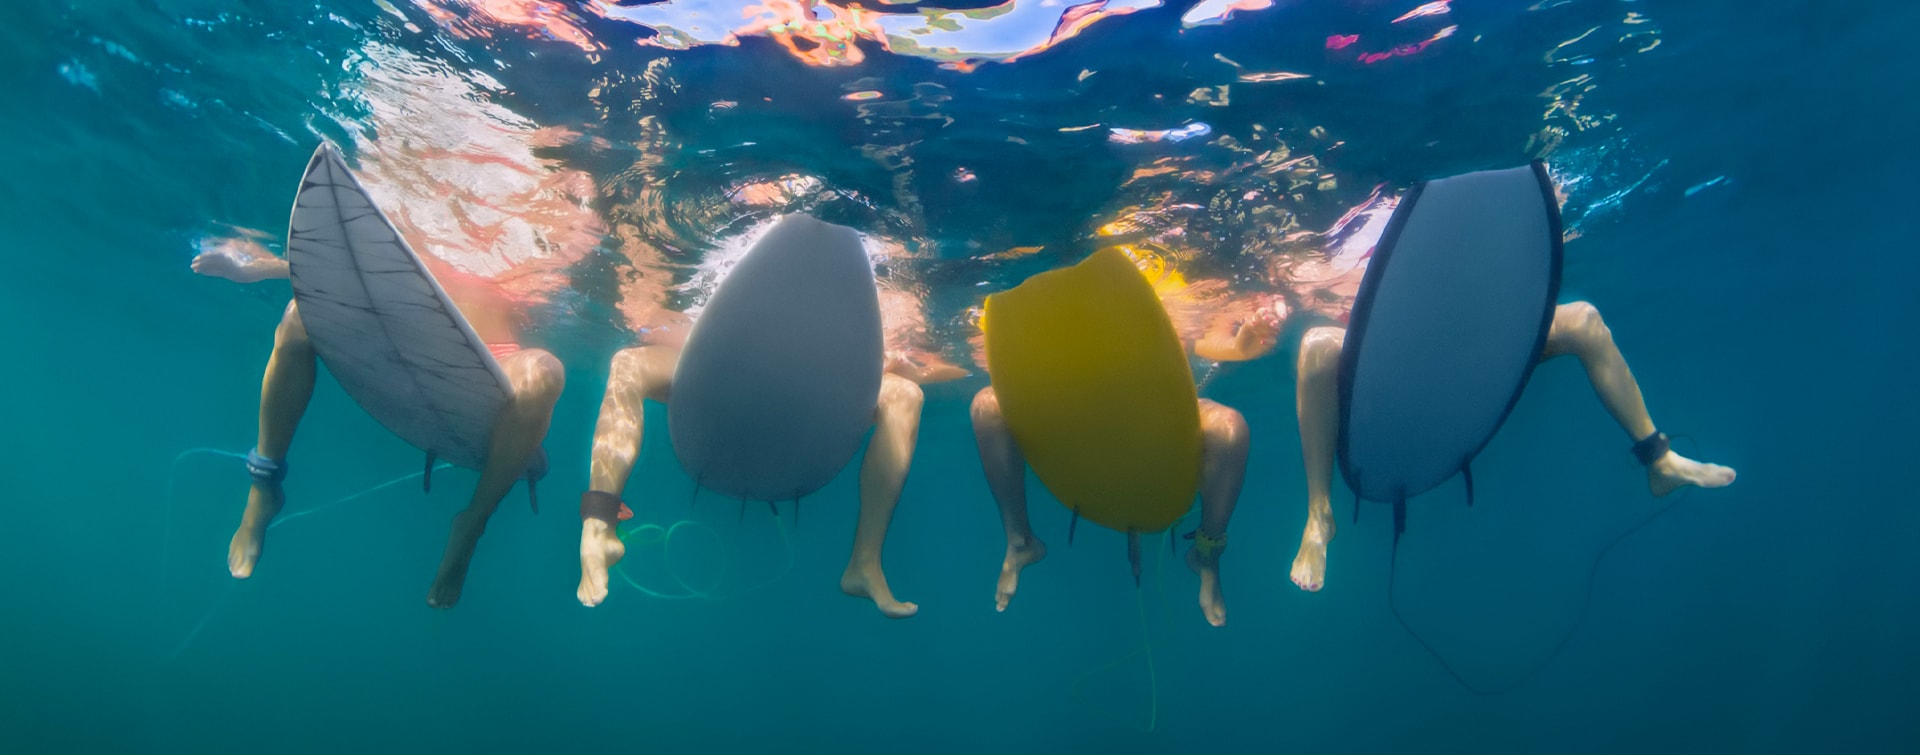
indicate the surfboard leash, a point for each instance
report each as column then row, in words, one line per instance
column 1586, row 602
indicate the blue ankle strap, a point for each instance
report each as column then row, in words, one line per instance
column 264, row 470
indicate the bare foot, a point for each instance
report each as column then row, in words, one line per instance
column 467, row 529
column 1018, row 557
column 237, row 259
column 1310, row 566
column 450, row 581
column 600, row 549
column 867, row 581
column 1673, row 471
column 263, row 504
column 1213, row 603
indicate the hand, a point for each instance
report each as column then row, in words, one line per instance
column 1256, row 336
column 240, row 260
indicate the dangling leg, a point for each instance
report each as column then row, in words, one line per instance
column 537, row 378
column 1317, row 402
column 284, row 392
column 1223, row 466
column 1578, row 330
column 1006, row 472
column 636, row 375
column 882, row 474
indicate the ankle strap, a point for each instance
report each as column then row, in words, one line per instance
column 1649, row 449
column 605, row 507
column 264, row 470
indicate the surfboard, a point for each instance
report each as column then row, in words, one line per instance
column 1450, row 319
column 780, row 375
column 1095, row 386
column 383, row 326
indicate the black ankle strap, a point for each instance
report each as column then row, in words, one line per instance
column 1651, row 448
column 602, row 506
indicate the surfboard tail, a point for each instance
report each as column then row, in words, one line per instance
column 387, row 331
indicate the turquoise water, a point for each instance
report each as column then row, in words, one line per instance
column 1734, row 172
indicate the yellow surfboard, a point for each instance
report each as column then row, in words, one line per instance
column 1096, row 388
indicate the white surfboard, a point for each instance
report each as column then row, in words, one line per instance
column 383, row 326
column 780, row 376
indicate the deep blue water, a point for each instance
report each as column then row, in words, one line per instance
column 1738, row 189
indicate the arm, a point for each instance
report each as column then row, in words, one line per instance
column 923, row 369
column 240, row 259
column 1250, row 339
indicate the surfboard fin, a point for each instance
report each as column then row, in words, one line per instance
column 1399, row 520
column 536, row 471
column 426, row 475
column 743, row 511
column 695, row 498
column 1466, row 470
column 1133, row 555
column 1073, row 525
column 775, row 508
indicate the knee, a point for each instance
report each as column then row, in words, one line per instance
column 292, row 332
column 1581, row 321
column 1320, row 350
column 900, row 394
column 628, row 363
column 1223, row 427
column 537, row 376
column 986, row 406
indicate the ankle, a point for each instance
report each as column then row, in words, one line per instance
column 1319, row 530
column 265, row 497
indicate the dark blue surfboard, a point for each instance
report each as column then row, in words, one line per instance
column 1450, row 319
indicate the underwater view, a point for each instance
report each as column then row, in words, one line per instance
column 959, row 376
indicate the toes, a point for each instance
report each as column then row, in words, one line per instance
column 592, row 593
column 1009, row 583
column 240, row 560
column 443, row 597
column 900, row 610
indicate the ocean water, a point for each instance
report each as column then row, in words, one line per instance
column 1734, row 173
